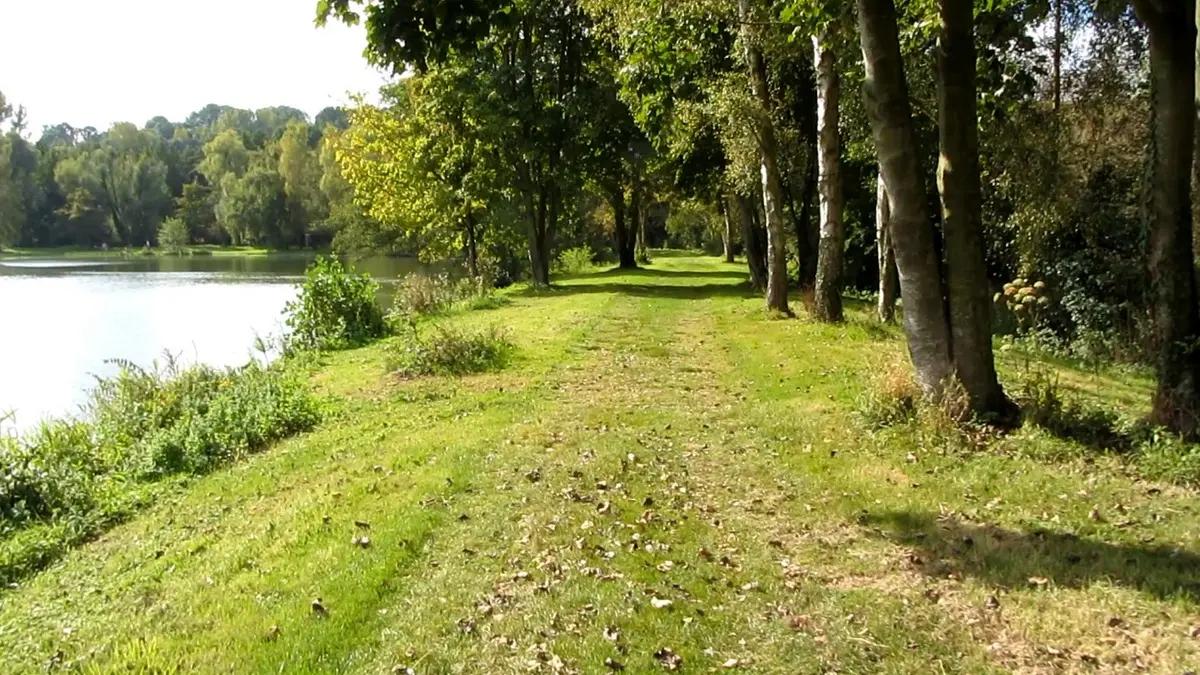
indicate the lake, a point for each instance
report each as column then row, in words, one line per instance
column 64, row 319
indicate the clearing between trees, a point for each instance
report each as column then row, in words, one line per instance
column 663, row 478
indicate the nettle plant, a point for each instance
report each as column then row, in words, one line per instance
column 336, row 309
column 1028, row 300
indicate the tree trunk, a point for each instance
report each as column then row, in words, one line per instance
column 1057, row 56
column 808, row 237
column 625, row 237
column 727, row 235
column 827, row 301
column 885, row 95
column 886, row 255
column 638, row 212
column 538, row 256
column 771, row 180
column 962, row 227
column 756, row 258
column 1176, row 318
column 472, row 245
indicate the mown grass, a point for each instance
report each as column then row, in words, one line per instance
column 653, row 438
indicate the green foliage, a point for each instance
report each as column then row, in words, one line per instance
column 173, row 235
column 443, row 350
column 1044, row 404
column 69, row 479
column 336, row 309
column 574, row 260
column 421, row 293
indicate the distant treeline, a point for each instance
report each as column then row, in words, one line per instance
column 222, row 176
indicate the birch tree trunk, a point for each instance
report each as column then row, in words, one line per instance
column 962, row 227
column 887, row 257
column 1172, row 30
column 769, row 158
column 727, row 235
column 886, row 98
column 827, row 305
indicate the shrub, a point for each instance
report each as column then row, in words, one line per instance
column 173, row 236
column 1043, row 405
column 448, row 351
column 421, row 293
column 336, row 309
column 427, row 294
column 574, row 261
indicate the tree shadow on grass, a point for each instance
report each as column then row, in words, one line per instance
column 1016, row 559
column 641, row 283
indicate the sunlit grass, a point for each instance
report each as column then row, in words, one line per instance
column 653, row 438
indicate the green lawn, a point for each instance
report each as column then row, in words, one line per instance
column 663, row 472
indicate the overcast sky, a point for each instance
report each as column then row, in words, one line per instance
column 93, row 62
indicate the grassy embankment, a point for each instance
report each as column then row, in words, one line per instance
column 661, row 472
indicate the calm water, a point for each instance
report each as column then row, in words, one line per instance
column 61, row 320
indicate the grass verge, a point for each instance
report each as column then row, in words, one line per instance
column 660, row 473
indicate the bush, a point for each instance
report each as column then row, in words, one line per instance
column 420, row 293
column 336, row 309
column 69, row 479
column 1042, row 404
column 574, row 261
column 173, row 236
column 448, row 351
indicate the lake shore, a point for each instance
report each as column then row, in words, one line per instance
column 142, row 252
column 663, row 471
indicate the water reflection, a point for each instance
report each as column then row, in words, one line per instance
column 64, row 319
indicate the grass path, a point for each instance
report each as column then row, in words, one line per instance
column 664, row 478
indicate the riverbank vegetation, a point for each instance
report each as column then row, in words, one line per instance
column 661, row 473
column 68, row 480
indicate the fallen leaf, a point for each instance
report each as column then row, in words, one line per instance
column 1094, row 515
column 668, row 658
column 665, row 566
column 799, row 622
column 1038, row 582
column 362, row 542
column 660, row 603
column 731, row 663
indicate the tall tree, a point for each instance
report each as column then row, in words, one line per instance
column 828, row 293
column 962, row 226
column 772, row 182
column 886, row 98
column 1172, row 28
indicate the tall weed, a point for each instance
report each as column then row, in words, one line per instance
column 442, row 350
column 336, row 309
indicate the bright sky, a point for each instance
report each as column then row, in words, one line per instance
column 92, row 63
